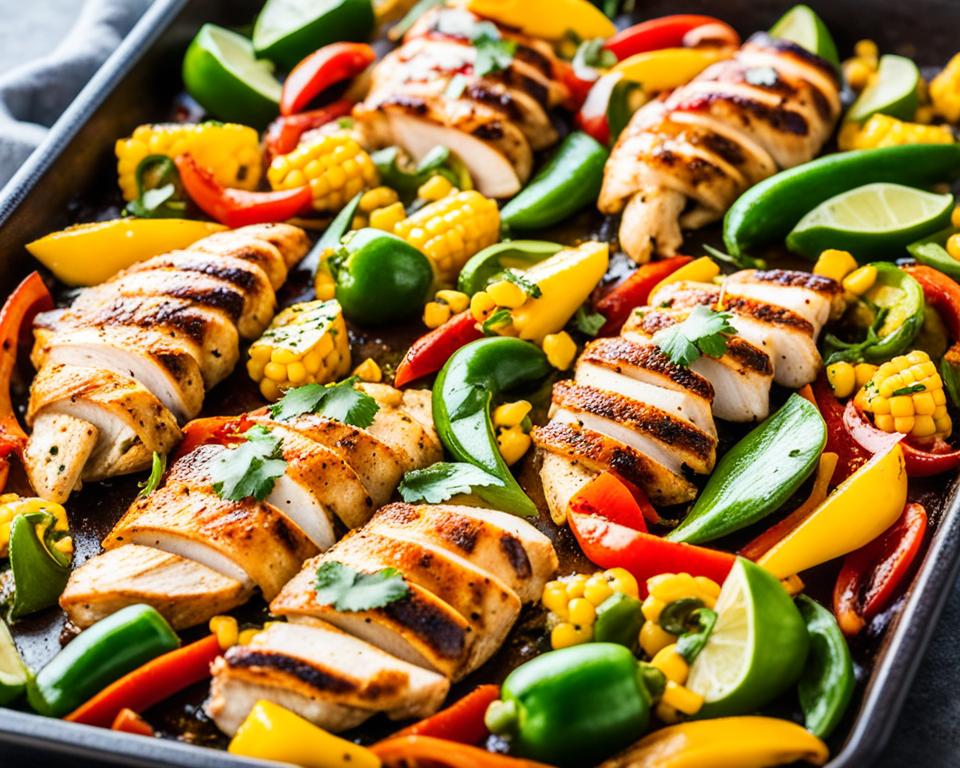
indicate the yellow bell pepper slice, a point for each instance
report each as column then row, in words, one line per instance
column 668, row 68
column 88, row 254
column 548, row 19
column 271, row 732
column 701, row 270
column 565, row 281
column 861, row 508
column 725, row 742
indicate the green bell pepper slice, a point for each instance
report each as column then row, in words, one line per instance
column 40, row 570
column 757, row 475
column 570, row 181
column 330, row 239
column 827, row 682
column 574, row 706
column 485, row 265
column 439, row 161
column 931, row 251
column 897, row 305
column 465, row 387
column 619, row 620
column 98, row 656
column 380, row 278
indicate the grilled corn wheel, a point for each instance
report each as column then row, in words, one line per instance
column 231, row 152
column 906, row 395
column 305, row 344
column 334, row 165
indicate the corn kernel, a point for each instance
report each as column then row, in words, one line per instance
column 378, row 197
column 682, row 699
column 857, row 73
column 296, row 373
column 651, row 608
column 582, row 612
column 597, row 588
column 513, row 444
column 554, row 598
column 842, row 379
column 269, row 389
column 560, row 350
column 435, row 314
column 707, row 586
column 835, row 264
column 672, row 664
column 565, row 635
column 860, row 280
column 863, row 372
column 481, row 306
column 672, row 586
column 924, row 426
column 511, row 414
column 368, row 370
column 653, row 638
column 621, row 580
column 507, row 294
column 434, row 188
column 953, row 245
column 226, row 630
column 246, row 635
column 275, row 371
column 576, row 585
column 388, row 217
column 866, row 49
column 456, row 300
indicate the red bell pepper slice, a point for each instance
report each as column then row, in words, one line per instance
column 150, row 684
column 129, row 721
column 428, row 353
column 919, row 462
column 462, row 721
column 871, row 576
column 607, row 525
column 940, row 292
column 283, row 134
column 850, row 454
column 684, row 29
column 617, row 304
column 27, row 299
column 577, row 87
column 321, row 69
column 405, row 751
column 218, row 430
column 239, row 207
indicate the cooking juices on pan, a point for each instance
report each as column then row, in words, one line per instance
column 627, row 459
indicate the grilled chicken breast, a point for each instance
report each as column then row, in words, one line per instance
column 685, row 157
column 133, row 356
column 323, row 674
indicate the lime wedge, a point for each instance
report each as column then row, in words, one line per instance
column 802, row 26
column 288, row 30
column 757, row 648
column 13, row 672
column 221, row 72
column 893, row 91
column 870, row 221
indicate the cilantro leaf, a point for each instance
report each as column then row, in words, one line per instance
column 589, row 323
column 157, row 469
column 908, row 390
column 251, row 469
column 493, row 54
column 743, row 261
column 345, row 589
column 343, row 402
column 442, row 481
column 704, row 331
column 529, row 287
column 497, row 319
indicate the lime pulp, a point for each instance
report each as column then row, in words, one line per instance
column 894, row 91
column 801, row 25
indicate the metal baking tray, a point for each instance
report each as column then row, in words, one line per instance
column 72, row 178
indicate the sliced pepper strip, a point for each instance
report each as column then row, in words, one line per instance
column 941, row 292
column 462, row 721
column 429, row 353
column 129, row 721
column 617, row 304
column 612, row 536
column 283, row 134
column 150, row 684
column 850, row 454
column 239, row 207
column 321, row 69
column 670, row 32
column 222, row 430
column 871, row 576
column 406, row 751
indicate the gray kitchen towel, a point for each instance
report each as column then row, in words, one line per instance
column 34, row 95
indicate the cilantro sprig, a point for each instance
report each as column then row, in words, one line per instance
column 442, row 481
column 343, row 402
column 588, row 323
column 157, row 468
column 251, row 469
column 705, row 331
column 346, row 589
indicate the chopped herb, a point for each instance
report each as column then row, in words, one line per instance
column 456, row 87
column 764, row 76
column 493, row 54
column 705, row 331
column 498, row 319
column 529, row 287
column 909, row 390
column 251, row 469
column 157, row 190
column 588, row 323
column 345, row 589
column 743, row 261
column 442, row 481
column 343, row 402
column 591, row 56
column 157, row 469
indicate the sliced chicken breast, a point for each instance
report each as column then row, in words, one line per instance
column 815, row 298
column 562, row 479
column 183, row 591
column 56, row 453
column 324, row 675
column 275, row 248
column 405, row 423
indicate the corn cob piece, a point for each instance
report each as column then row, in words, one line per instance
column 451, row 230
column 231, row 152
column 12, row 505
column 885, row 131
column 305, row 344
column 906, row 395
column 334, row 165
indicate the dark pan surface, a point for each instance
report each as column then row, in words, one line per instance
column 73, row 179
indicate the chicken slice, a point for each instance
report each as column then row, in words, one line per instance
column 247, row 540
column 419, row 628
column 640, row 370
column 596, row 451
column 275, row 248
column 495, row 542
column 405, row 423
column 669, row 440
column 56, row 453
column 651, row 222
column 815, row 298
column 185, row 592
column 562, row 479
column 784, row 335
column 324, row 675
column 489, row 606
